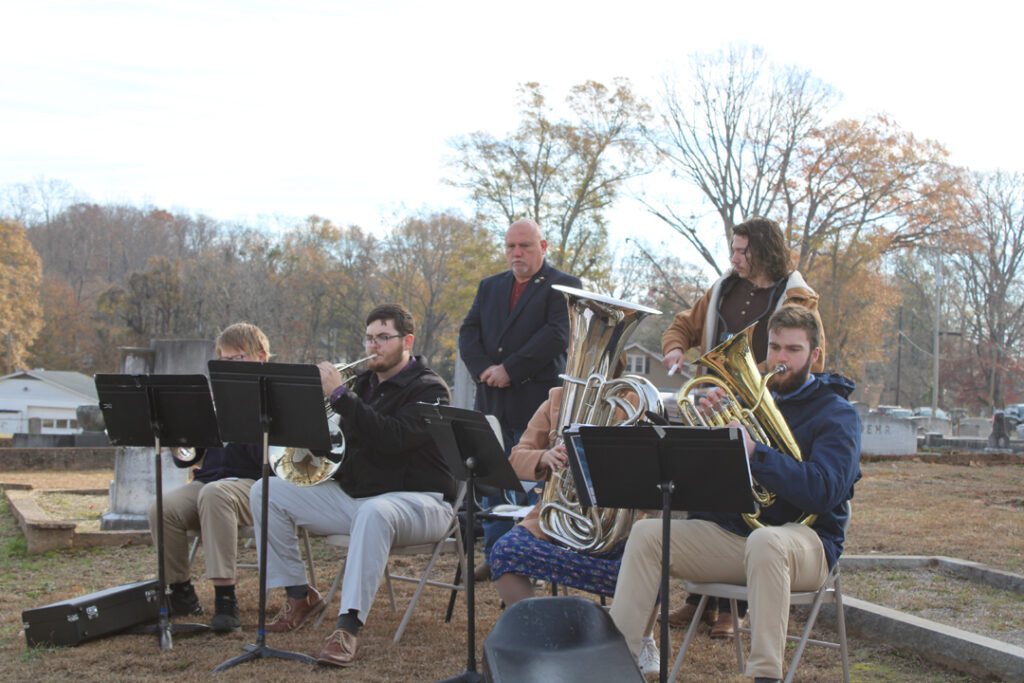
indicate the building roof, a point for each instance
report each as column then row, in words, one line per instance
column 74, row 382
column 641, row 347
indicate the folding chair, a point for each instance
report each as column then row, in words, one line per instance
column 249, row 534
column 829, row 592
column 449, row 541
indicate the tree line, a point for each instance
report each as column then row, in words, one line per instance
column 898, row 242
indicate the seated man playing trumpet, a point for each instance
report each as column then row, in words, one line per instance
column 785, row 555
column 393, row 486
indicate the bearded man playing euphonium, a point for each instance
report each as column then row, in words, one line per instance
column 783, row 556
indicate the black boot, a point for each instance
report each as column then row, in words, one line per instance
column 184, row 601
column 226, row 616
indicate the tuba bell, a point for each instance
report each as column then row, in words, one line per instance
column 735, row 372
column 304, row 467
column 599, row 328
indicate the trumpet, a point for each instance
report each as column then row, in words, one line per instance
column 304, row 467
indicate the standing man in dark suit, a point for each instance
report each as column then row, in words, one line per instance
column 514, row 341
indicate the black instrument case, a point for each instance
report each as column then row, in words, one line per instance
column 92, row 616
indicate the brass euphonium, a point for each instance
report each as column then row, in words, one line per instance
column 599, row 328
column 735, row 372
column 304, row 467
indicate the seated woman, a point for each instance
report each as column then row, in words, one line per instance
column 526, row 551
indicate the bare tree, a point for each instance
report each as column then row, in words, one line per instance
column 563, row 174
column 37, row 202
column 991, row 270
column 432, row 265
column 733, row 138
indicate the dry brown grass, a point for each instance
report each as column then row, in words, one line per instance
column 901, row 507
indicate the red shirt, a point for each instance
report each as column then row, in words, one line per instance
column 517, row 290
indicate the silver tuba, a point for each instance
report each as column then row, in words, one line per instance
column 599, row 327
column 304, row 467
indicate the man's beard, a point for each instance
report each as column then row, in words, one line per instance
column 793, row 381
column 385, row 361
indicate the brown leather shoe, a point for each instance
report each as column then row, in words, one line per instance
column 482, row 573
column 294, row 613
column 681, row 617
column 723, row 627
column 340, row 649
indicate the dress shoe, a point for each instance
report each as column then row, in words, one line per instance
column 294, row 613
column 482, row 573
column 723, row 627
column 681, row 617
column 340, row 649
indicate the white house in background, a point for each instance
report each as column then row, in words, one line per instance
column 642, row 361
column 50, row 395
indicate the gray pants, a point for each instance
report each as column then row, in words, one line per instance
column 374, row 524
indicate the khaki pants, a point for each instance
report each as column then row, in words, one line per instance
column 772, row 561
column 216, row 510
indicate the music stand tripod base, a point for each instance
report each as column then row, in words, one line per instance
column 255, row 399
column 471, row 449
column 143, row 410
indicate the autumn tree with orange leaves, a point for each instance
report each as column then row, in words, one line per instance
column 857, row 191
column 21, row 273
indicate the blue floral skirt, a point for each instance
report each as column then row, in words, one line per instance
column 522, row 553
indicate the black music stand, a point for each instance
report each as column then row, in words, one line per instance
column 269, row 403
column 150, row 410
column 473, row 454
column 672, row 468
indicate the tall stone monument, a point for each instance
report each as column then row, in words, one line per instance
column 133, row 490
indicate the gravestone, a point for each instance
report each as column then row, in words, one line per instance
column 975, row 426
column 133, row 490
column 885, row 435
column 90, row 419
column 464, row 391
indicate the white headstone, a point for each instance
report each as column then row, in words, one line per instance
column 885, row 435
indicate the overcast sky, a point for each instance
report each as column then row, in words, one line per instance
column 343, row 109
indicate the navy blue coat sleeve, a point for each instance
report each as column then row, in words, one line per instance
column 825, row 477
column 471, row 335
column 549, row 339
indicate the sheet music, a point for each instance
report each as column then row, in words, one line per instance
column 574, row 449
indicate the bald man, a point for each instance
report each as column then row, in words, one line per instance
column 514, row 340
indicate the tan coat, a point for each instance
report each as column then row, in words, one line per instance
column 525, row 456
column 691, row 328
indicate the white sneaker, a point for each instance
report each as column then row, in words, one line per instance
column 650, row 659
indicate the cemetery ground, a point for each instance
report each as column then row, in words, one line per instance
column 972, row 510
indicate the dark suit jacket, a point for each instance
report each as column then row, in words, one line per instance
column 531, row 342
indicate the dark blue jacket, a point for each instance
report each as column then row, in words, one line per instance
column 241, row 460
column 827, row 429
column 531, row 342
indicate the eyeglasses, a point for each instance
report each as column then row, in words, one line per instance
column 380, row 339
column 237, row 356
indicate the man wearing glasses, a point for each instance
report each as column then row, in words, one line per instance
column 215, row 503
column 393, row 486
